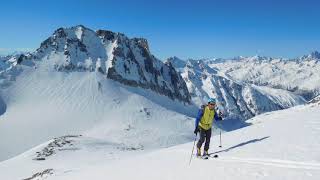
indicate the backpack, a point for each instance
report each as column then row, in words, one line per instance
column 203, row 106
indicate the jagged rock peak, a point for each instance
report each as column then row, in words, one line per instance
column 123, row 59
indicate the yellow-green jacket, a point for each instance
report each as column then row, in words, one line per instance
column 205, row 118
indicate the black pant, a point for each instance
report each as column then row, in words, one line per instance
column 205, row 135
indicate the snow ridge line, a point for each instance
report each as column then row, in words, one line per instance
column 273, row 162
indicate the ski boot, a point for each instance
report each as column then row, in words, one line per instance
column 205, row 153
column 198, row 152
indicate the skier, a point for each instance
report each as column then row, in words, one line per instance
column 203, row 124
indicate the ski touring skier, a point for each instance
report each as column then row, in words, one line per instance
column 203, row 124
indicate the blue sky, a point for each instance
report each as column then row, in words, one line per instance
column 187, row 29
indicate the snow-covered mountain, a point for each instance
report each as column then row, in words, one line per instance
column 312, row 56
column 125, row 60
column 70, row 84
column 120, row 58
column 277, row 145
column 315, row 100
column 10, row 67
column 235, row 98
column 300, row 76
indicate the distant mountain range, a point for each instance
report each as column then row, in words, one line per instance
column 237, row 98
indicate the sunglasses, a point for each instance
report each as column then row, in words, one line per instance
column 212, row 104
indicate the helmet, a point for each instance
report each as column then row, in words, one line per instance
column 211, row 100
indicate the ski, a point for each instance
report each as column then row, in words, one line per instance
column 203, row 157
column 214, row 156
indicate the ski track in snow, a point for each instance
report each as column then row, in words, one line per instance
column 270, row 162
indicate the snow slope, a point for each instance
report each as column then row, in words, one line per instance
column 43, row 104
column 278, row 145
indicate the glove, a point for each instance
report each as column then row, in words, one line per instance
column 220, row 116
column 196, row 130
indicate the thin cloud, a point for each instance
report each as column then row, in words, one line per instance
column 3, row 49
column 6, row 51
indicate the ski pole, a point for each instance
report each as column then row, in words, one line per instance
column 220, row 135
column 219, row 127
column 194, row 143
column 220, row 138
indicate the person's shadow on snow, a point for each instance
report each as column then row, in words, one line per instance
column 241, row 144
